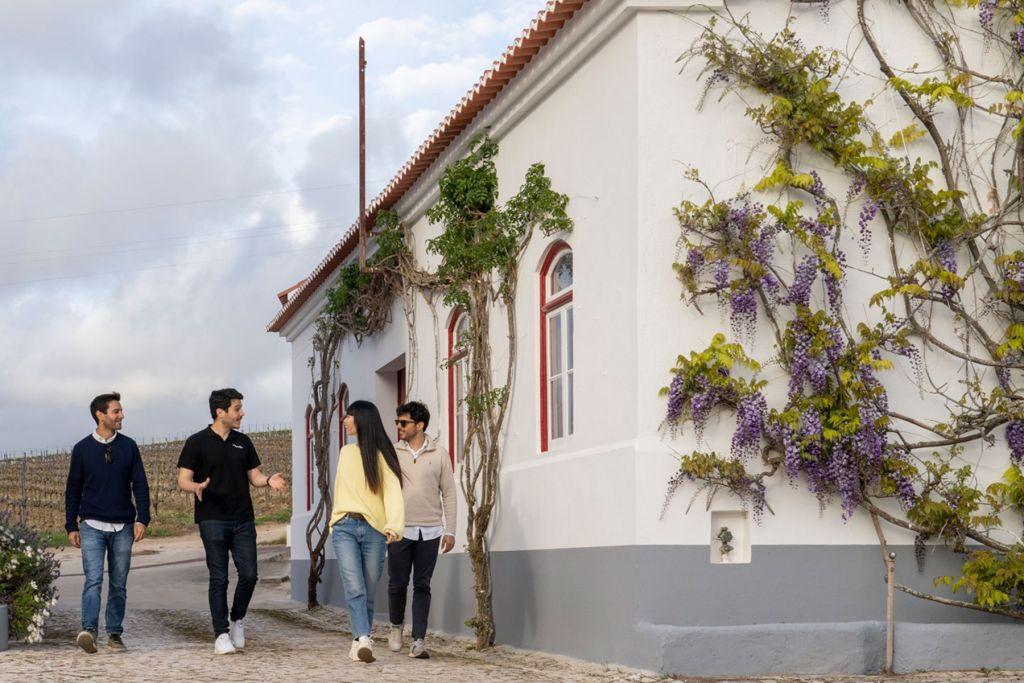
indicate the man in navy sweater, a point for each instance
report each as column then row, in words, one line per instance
column 106, row 472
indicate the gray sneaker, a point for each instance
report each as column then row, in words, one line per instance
column 418, row 649
column 87, row 640
column 115, row 644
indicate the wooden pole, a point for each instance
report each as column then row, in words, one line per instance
column 890, row 566
column 24, row 493
column 362, row 154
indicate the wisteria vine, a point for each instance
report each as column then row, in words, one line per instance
column 950, row 223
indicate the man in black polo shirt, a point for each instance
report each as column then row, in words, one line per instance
column 218, row 465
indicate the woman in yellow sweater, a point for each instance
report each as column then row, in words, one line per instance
column 368, row 514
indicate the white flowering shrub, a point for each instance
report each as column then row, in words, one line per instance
column 28, row 577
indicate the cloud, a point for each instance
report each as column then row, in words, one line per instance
column 261, row 9
column 418, row 125
column 162, row 303
column 427, row 34
column 418, row 33
column 456, row 75
column 159, row 147
column 333, row 158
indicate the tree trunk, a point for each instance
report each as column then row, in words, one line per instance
column 326, row 343
column 483, row 619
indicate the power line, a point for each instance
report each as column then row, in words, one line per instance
column 182, row 264
column 114, row 247
column 101, row 212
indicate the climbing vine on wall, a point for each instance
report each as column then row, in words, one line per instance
column 938, row 226
column 480, row 250
column 357, row 305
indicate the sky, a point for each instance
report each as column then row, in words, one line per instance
column 167, row 167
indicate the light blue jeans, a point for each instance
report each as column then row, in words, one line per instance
column 116, row 546
column 360, row 551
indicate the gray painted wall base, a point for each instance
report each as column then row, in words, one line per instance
column 793, row 609
column 852, row 648
column 951, row 647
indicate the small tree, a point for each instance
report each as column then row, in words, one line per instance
column 359, row 304
column 481, row 248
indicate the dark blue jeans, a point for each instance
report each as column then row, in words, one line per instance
column 116, row 546
column 238, row 538
column 419, row 556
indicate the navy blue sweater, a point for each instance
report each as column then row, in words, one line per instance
column 103, row 491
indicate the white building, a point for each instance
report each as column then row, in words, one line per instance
column 583, row 563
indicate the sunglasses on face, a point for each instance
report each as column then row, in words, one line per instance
column 108, row 456
column 403, row 423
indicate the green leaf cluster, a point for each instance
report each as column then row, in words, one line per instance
column 359, row 299
column 993, row 579
column 482, row 238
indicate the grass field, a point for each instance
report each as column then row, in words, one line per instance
column 32, row 488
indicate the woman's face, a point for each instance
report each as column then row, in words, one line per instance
column 350, row 425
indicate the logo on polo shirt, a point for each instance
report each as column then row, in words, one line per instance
column 238, row 445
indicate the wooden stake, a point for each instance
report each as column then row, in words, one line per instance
column 890, row 566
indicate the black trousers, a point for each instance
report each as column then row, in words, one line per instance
column 419, row 556
column 218, row 539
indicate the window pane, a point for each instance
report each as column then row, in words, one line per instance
column 557, row 426
column 569, row 396
column 460, row 406
column 561, row 274
column 555, row 344
column 568, row 339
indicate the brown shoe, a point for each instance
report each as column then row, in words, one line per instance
column 115, row 644
column 87, row 641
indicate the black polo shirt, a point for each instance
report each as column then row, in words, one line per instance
column 226, row 462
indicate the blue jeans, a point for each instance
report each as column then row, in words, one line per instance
column 116, row 546
column 360, row 551
column 219, row 537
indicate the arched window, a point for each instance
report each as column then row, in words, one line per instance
column 458, row 382
column 556, row 339
column 342, row 404
column 309, row 458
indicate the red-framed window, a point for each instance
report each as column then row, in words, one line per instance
column 458, row 383
column 309, row 458
column 342, row 404
column 556, row 344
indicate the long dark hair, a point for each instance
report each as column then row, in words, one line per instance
column 373, row 439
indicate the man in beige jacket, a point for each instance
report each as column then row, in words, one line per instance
column 428, row 489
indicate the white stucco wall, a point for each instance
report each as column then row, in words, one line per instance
column 605, row 107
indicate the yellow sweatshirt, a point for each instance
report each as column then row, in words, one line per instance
column 383, row 511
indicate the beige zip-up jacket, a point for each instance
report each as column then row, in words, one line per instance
column 429, row 486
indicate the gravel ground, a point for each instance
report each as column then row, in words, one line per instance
column 167, row 630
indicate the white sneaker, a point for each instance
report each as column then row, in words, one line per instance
column 395, row 638
column 365, row 650
column 223, row 646
column 353, row 652
column 237, row 633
